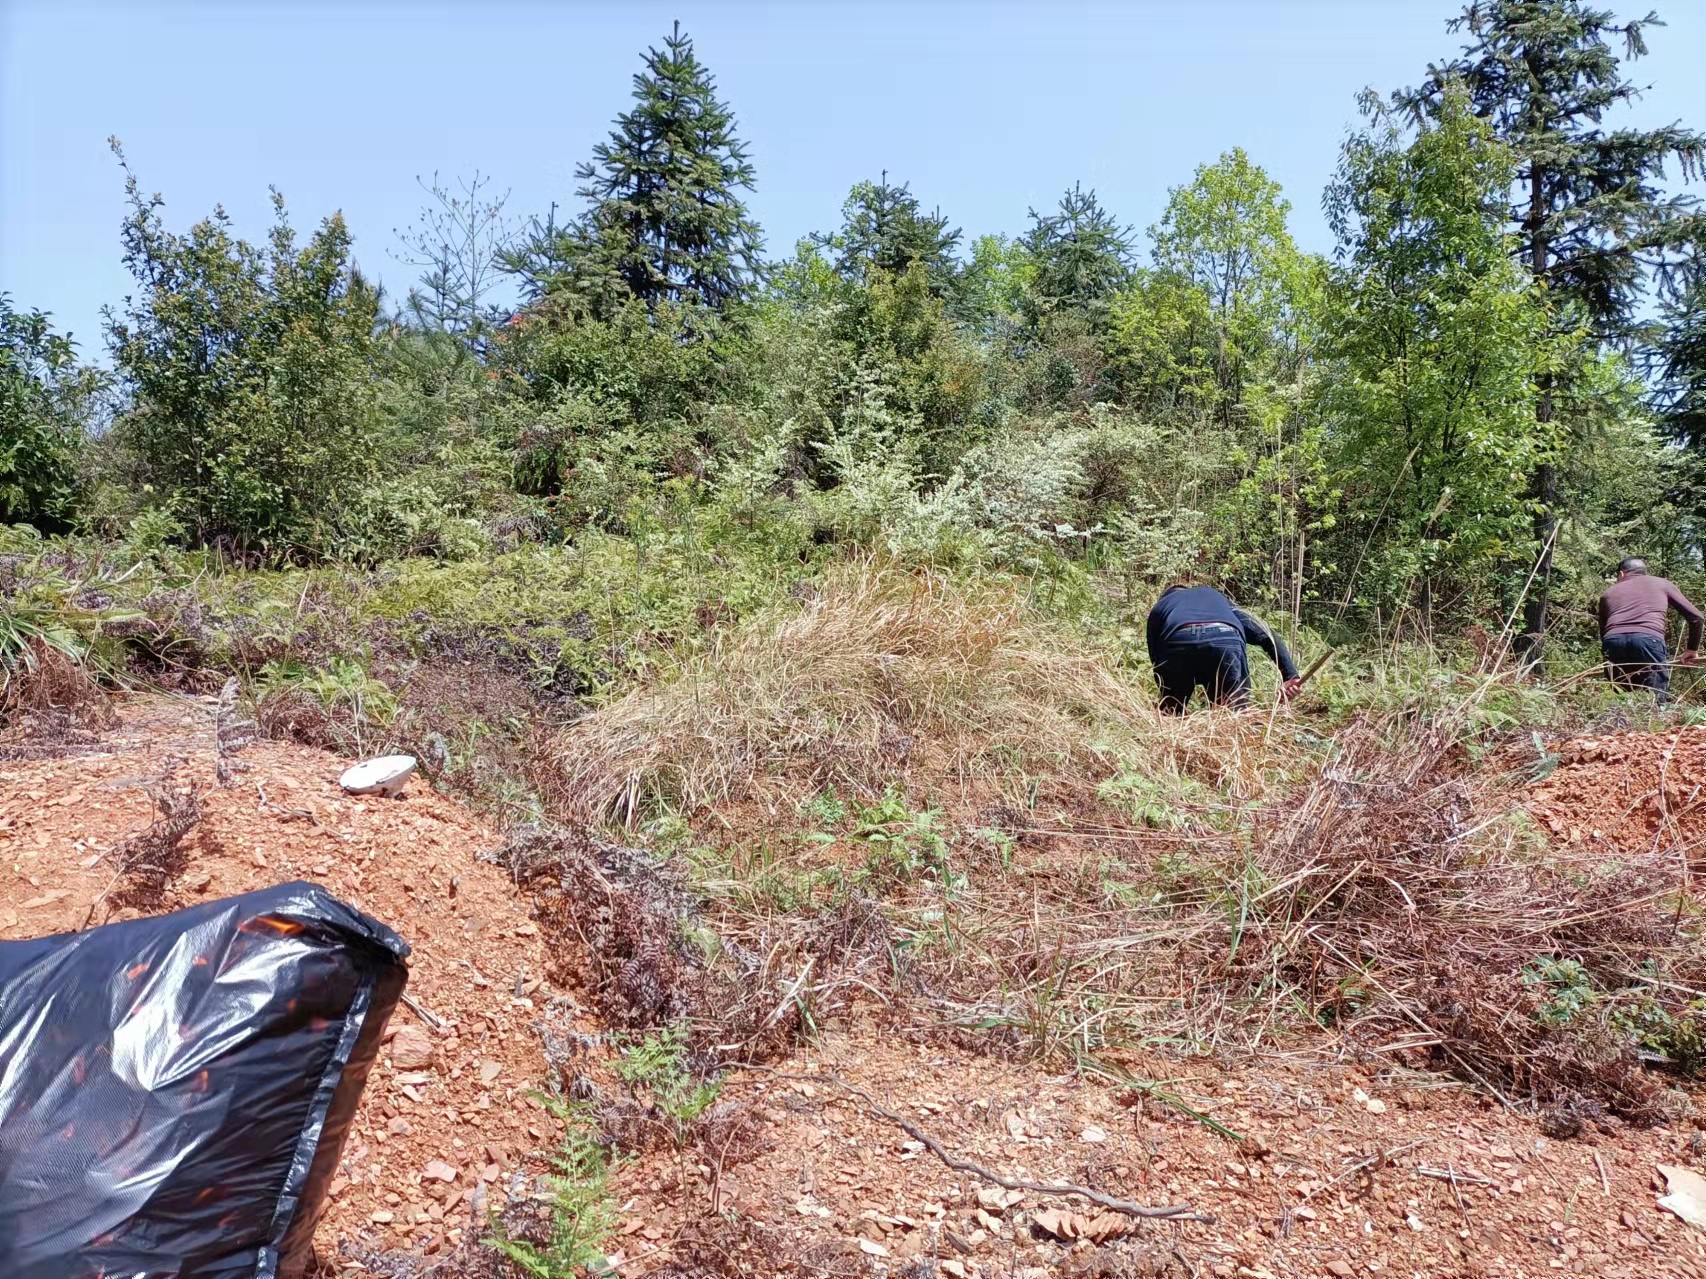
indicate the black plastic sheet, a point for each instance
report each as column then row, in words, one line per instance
column 175, row 1091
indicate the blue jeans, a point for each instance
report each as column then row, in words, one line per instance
column 1635, row 659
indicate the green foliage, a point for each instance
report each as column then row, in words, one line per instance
column 343, row 684
column 1079, row 256
column 582, row 1210
column 1681, row 359
column 251, row 375
column 825, row 810
column 1564, row 986
column 1225, row 238
column 901, row 844
column 1679, row 1035
column 655, row 1069
column 1437, row 341
column 47, row 404
column 665, row 221
column 1161, row 346
column 1592, row 224
column 1584, row 200
column 883, row 228
column 1154, row 801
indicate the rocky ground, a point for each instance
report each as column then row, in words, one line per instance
column 837, row 1159
column 447, row 1110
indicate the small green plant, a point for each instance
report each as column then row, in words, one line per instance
column 901, row 844
column 655, row 1070
column 1145, row 799
column 1567, row 988
column 825, row 810
column 1680, row 1035
column 342, row 688
column 1004, row 844
column 582, row 1212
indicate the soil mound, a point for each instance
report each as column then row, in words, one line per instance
column 1629, row 792
column 446, row 1116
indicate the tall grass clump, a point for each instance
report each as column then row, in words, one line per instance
column 878, row 670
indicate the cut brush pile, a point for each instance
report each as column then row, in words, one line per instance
column 1394, row 897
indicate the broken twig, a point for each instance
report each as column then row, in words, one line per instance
column 1167, row 1212
column 1452, row 1175
column 431, row 1019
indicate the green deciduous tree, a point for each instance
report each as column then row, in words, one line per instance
column 250, row 370
column 1225, row 234
column 1592, row 222
column 47, row 401
column 1162, row 346
column 665, row 220
column 1436, row 338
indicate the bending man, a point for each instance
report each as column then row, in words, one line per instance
column 1196, row 636
column 1632, row 616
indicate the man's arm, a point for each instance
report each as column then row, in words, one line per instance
column 1683, row 605
column 1271, row 644
column 1604, row 614
column 1152, row 634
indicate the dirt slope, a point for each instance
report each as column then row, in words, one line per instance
column 408, row 862
column 1347, row 1170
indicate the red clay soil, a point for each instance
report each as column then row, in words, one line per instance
column 409, row 862
column 1343, row 1173
column 1632, row 792
column 1348, row 1171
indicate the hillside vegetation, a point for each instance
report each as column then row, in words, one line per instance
column 788, row 606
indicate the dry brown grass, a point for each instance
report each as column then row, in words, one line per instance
column 1390, row 903
column 1215, row 883
column 45, row 682
column 1396, row 898
column 880, row 670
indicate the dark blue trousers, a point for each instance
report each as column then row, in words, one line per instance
column 1213, row 660
column 1637, row 660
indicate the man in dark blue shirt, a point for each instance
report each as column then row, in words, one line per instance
column 1196, row 636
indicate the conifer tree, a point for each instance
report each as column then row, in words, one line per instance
column 1681, row 363
column 665, row 220
column 883, row 226
column 1080, row 255
column 1592, row 222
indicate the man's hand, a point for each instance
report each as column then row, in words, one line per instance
column 1288, row 689
column 1690, row 657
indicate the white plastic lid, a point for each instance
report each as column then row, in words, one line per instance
column 383, row 774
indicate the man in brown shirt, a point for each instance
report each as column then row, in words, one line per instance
column 1632, row 617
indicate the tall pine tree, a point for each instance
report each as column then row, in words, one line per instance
column 1680, row 358
column 665, row 220
column 1592, row 222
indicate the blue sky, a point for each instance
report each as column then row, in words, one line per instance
column 987, row 109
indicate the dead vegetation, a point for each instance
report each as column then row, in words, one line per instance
column 880, row 671
column 1392, row 903
column 46, row 689
column 147, row 863
column 1391, row 899
column 629, row 931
